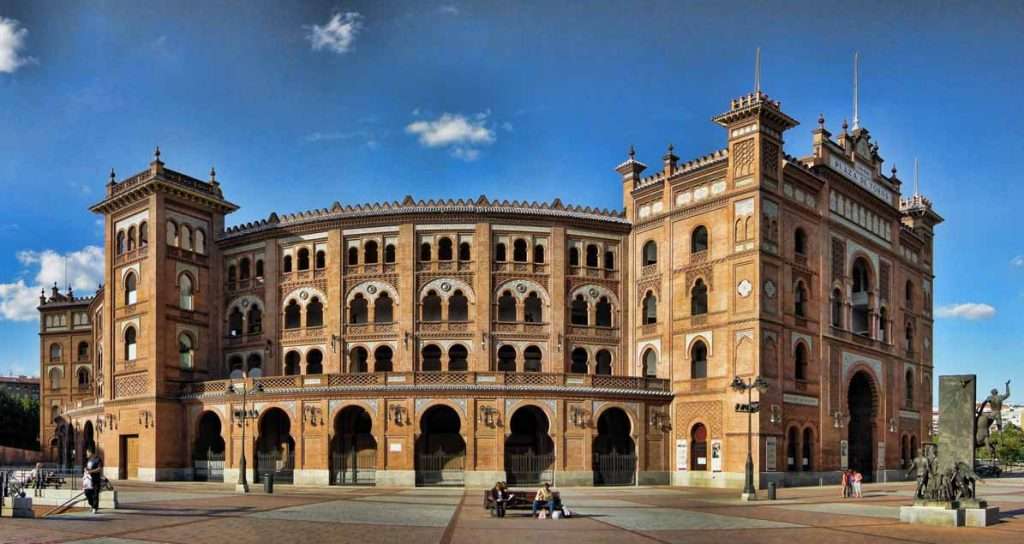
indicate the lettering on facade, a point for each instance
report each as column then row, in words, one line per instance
column 862, row 176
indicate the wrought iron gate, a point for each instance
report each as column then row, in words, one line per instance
column 614, row 469
column 283, row 468
column 529, row 468
column 210, row 469
column 354, row 467
column 440, row 468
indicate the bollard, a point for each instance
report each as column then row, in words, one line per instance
column 771, row 491
column 268, row 482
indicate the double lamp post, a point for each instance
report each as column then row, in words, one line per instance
column 750, row 408
column 242, row 416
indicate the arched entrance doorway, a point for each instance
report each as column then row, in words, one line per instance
column 440, row 449
column 699, row 447
column 88, row 440
column 208, row 450
column 353, row 448
column 614, row 450
column 861, row 430
column 529, row 450
column 275, row 448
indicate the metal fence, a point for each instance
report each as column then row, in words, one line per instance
column 282, row 467
column 53, row 476
column 354, row 467
column 529, row 468
column 441, row 468
column 614, row 469
column 210, row 469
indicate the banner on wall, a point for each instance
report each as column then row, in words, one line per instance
column 881, row 455
column 716, row 456
column 770, row 453
column 681, row 454
column 844, row 454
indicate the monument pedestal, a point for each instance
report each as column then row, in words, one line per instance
column 982, row 516
column 945, row 515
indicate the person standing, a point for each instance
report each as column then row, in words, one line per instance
column 845, row 482
column 857, row 479
column 92, row 480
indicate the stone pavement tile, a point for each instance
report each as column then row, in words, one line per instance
column 111, row 522
column 766, row 536
column 849, row 509
column 237, row 503
column 658, row 519
column 411, row 500
column 250, row 529
column 567, row 533
column 939, row 535
column 110, row 540
column 30, row 531
column 369, row 513
column 131, row 497
column 794, row 516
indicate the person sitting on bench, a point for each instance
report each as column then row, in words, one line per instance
column 501, row 496
column 544, row 498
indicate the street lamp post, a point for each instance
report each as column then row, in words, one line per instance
column 750, row 408
column 242, row 416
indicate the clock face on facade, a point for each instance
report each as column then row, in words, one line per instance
column 769, row 288
column 744, row 288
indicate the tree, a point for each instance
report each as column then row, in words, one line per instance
column 19, row 421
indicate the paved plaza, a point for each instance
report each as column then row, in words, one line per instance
column 190, row 513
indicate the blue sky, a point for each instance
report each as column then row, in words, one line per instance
column 301, row 105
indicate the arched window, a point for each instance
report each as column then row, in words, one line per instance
column 431, row 359
column 908, row 294
column 143, row 234
column 432, row 306
column 532, row 359
column 255, row 319
column 604, row 363
column 650, row 309
column 861, row 296
column 383, row 309
column 506, row 307
column 83, row 351
column 861, row 282
column 235, row 322
column 357, row 360
column 609, row 260
column 287, row 268
column 579, row 357
column 353, row 256
column 574, row 256
column 800, row 362
column 506, row 359
column 650, row 253
column 592, row 255
column 303, row 255
column 425, row 252
column 532, row 312
column 370, row 252
column 699, row 298
column 130, row 294
column 244, row 268
column 236, row 366
column 604, row 312
column 129, row 344
column 131, row 238
column 232, row 274
column 389, row 253
column 83, row 378
column 321, row 259
column 883, row 325
column 185, row 301
column 650, row 363
column 200, row 241
column 808, row 447
column 698, row 361
column 791, row 449
column 458, row 358
column 499, row 252
column 358, row 310
column 122, row 244
column 908, row 389
column 699, row 450
column 444, row 249
column 837, row 308
column 538, row 254
column 172, row 233
column 458, row 307
column 315, row 313
column 578, row 313
column 800, row 242
column 292, row 315
column 314, row 362
column 465, row 252
column 909, row 333
column 254, row 365
column 56, row 352
column 382, row 359
column 292, row 361
column 186, row 351
column 185, row 237
column 55, row 379
column 519, row 250
column 800, row 300
column 699, row 239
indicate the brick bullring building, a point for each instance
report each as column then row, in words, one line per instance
column 467, row 341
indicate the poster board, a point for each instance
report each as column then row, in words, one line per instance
column 682, row 454
column 716, row 456
column 771, row 445
column 844, row 454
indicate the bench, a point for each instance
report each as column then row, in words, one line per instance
column 522, row 499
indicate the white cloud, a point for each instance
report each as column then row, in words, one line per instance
column 12, row 40
column 18, row 300
column 338, row 34
column 467, row 154
column 462, row 134
column 1017, row 261
column 968, row 310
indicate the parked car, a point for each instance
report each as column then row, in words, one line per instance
column 988, row 470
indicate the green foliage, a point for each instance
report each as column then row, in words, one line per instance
column 19, row 422
column 1009, row 444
